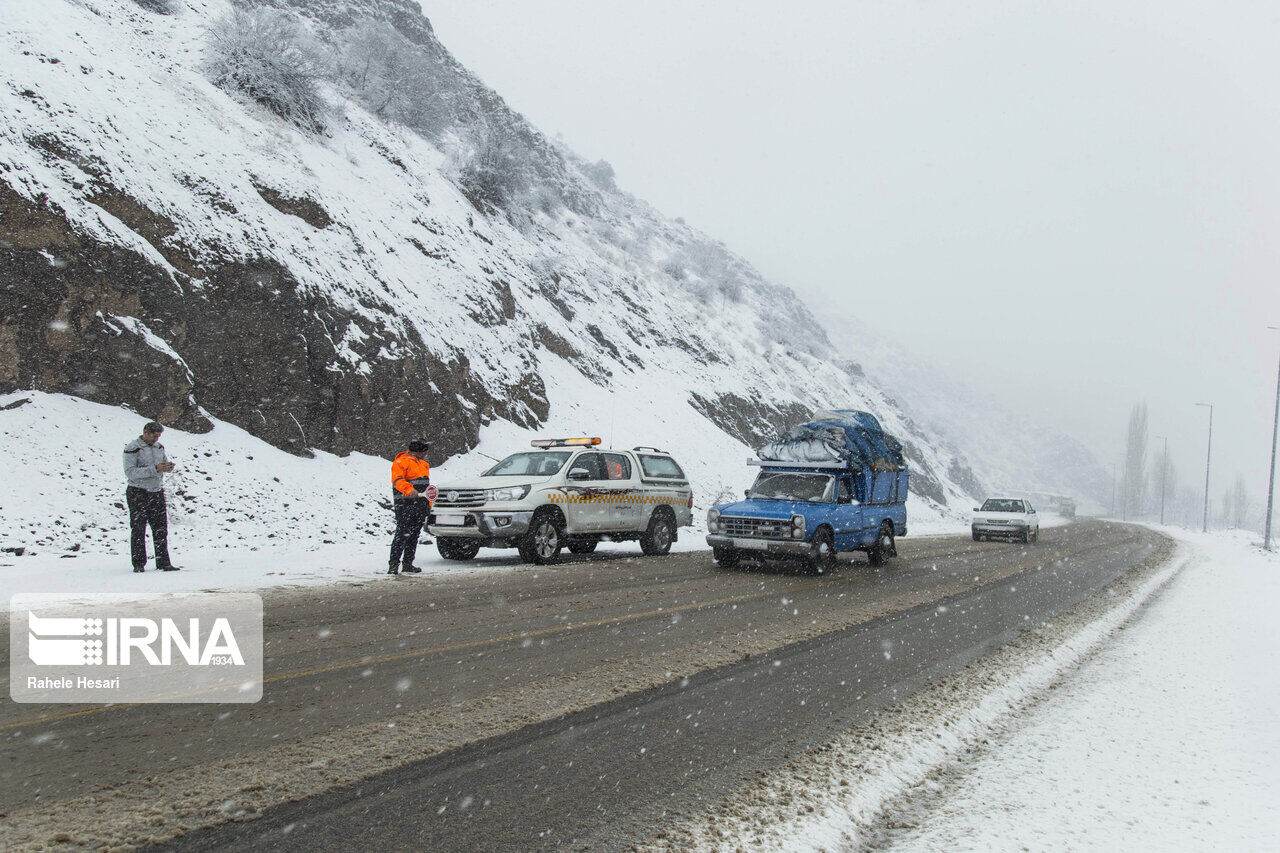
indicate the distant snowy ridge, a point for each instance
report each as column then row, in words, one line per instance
column 179, row 250
column 1014, row 452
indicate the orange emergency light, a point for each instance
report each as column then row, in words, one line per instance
column 564, row 442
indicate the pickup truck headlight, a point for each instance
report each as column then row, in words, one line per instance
column 797, row 527
column 713, row 521
column 512, row 493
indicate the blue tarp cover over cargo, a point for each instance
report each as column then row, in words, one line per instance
column 840, row 436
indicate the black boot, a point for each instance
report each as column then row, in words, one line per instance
column 411, row 570
column 139, row 569
column 393, row 569
column 171, row 568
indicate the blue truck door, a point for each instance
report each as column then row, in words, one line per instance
column 846, row 516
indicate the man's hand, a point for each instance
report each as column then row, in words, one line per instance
column 164, row 467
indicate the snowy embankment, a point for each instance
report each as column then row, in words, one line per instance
column 244, row 515
column 1075, row 736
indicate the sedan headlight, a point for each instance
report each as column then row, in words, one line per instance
column 713, row 521
column 797, row 527
column 512, row 493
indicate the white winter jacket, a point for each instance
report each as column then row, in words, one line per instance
column 140, row 460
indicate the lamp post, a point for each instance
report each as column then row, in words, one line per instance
column 1271, row 475
column 1164, row 471
column 1208, row 454
column 1113, row 490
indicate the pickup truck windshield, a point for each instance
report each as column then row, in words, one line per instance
column 995, row 505
column 541, row 463
column 815, row 488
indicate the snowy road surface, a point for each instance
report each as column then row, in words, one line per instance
column 423, row 694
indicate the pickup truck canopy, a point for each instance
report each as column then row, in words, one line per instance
column 840, row 436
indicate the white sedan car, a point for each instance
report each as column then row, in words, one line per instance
column 1006, row 518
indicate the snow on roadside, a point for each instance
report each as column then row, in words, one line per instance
column 835, row 797
column 244, row 515
column 1165, row 740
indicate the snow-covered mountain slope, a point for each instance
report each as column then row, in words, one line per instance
column 1014, row 452
column 182, row 251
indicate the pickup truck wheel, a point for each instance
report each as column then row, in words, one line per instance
column 977, row 537
column 457, row 548
column 544, row 540
column 884, row 547
column 656, row 541
column 822, row 552
column 1035, row 535
column 726, row 558
column 583, row 546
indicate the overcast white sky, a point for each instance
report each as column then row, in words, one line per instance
column 1079, row 201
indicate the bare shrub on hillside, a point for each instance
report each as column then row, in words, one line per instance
column 266, row 55
column 493, row 173
column 391, row 76
column 160, row 7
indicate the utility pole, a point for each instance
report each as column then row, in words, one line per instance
column 1164, row 471
column 1271, row 476
column 1208, row 454
column 1113, row 490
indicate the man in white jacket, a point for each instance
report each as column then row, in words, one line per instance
column 145, row 465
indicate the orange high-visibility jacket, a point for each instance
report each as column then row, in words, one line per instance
column 407, row 473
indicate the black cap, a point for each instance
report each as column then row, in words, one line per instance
column 418, row 446
column 153, row 427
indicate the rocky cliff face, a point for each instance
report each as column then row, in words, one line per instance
column 179, row 250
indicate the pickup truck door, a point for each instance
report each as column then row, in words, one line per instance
column 846, row 516
column 582, row 508
column 625, row 511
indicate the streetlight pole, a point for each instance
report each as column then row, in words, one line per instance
column 1112, row 511
column 1208, row 454
column 1271, row 476
column 1164, row 471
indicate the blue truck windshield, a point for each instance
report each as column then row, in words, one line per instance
column 790, row 486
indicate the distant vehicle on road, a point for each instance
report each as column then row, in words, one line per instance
column 1006, row 518
column 566, row 492
column 838, row 483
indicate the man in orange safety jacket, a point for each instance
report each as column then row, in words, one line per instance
column 410, row 476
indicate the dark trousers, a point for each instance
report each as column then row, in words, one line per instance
column 411, row 514
column 147, row 508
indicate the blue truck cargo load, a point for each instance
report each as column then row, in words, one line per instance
column 837, row 482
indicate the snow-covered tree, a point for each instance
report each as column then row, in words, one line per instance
column 1134, row 480
column 267, row 55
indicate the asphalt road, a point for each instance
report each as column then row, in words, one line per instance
column 806, row 656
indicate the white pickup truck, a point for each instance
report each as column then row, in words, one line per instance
column 566, row 492
column 1006, row 518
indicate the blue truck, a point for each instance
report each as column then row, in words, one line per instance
column 836, row 483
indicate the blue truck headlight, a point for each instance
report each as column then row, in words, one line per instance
column 797, row 527
column 713, row 521
column 513, row 493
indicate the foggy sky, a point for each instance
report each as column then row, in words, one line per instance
column 1074, row 207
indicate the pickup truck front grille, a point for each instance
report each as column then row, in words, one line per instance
column 459, row 498
column 756, row 528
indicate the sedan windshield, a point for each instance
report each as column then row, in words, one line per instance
column 541, row 463
column 815, row 488
column 998, row 505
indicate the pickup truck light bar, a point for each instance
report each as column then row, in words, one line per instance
column 564, row 442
